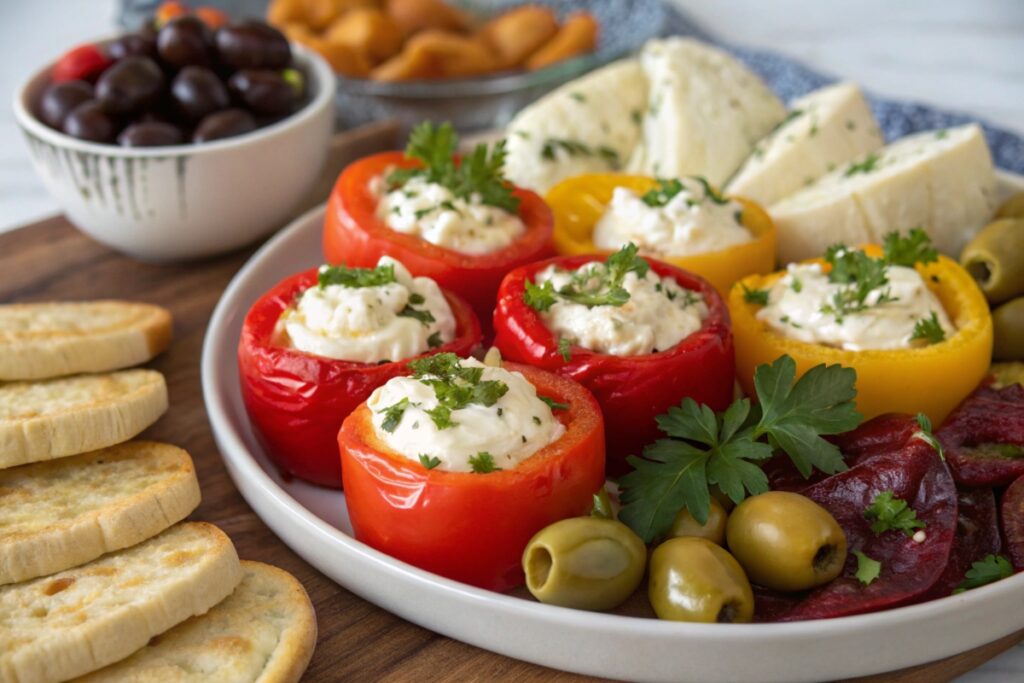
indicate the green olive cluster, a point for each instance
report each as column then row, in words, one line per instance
column 778, row 540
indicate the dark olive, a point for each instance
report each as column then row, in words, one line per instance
column 1008, row 330
column 253, row 45
column 197, row 91
column 151, row 134
column 995, row 257
column 88, row 121
column 224, row 124
column 59, row 99
column 185, row 41
column 131, row 86
column 132, row 45
column 263, row 91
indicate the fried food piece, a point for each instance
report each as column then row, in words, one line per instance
column 438, row 54
column 369, row 31
column 577, row 36
column 517, row 34
column 414, row 16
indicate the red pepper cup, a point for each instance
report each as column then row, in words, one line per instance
column 631, row 390
column 355, row 236
column 297, row 401
column 473, row 527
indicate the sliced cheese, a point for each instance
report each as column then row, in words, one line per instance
column 825, row 129
column 705, row 111
column 590, row 125
column 942, row 181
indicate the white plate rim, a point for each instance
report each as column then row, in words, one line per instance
column 646, row 649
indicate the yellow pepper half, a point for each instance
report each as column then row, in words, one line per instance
column 930, row 379
column 579, row 202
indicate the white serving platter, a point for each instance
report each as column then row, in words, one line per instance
column 314, row 523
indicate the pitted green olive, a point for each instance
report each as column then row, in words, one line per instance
column 692, row 579
column 1008, row 330
column 995, row 258
column 1012, row 207
column 584, row 562
column 786, row 541
column 714, row 530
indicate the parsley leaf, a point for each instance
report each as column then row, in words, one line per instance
column 868, row 570
column 928, row 330
column 665, row 191
column 356, row 277
column 455, row 386
column 988, row 570
column 424, row 316
column 429, row 461
column 861, row 274
column 707, row 448
column 393, row 415
column 434, row 340
column 916, row 247
column 887, row 512
column 758, row 297
column 710, row 192
column 573, row 148
column 928, row 436
column 552, row 403
column 596, row 284
column 483, row 463
column 869, row 164
column 539, row 297
column 480, row 172
column 565, row 349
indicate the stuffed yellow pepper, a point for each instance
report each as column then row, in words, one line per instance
column 682, row 221
column 912, row 323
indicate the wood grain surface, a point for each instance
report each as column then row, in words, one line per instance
column 358, row 641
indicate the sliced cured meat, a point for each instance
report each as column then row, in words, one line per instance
column 1012, row 511
column 977, row 535
column 984, row 437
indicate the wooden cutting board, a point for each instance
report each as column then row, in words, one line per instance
column 50, row 260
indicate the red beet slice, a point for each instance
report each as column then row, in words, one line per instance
column 912, row 471
column 977, row 535
column 1012, row 510
column 984, row 437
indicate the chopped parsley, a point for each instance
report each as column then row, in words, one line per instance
column 424, row 316
column 927, row 436
column 869, row 164
column 416, row 299
column 928, row 330
column 706, row 448
column 565, row 349
column 552, row 403
column 599, row 285
column 455, row 386
column 888, row 513
column 483, row 463
column 797, row 285
column 757, row 297
column 575, row 148
column 868, row 570
column 393, row 415
column 434, row 340
column 710, row 192
column 578, row 96
column 480, row 172
column 665, row 191
column 429, row 461
column 356, row 277
column 637, row 116
column 988, row 570
column 909, row 250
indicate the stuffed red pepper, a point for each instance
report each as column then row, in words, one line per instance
column 455, row 220
column 456, row 467
column 317, row 344
column 638, row 333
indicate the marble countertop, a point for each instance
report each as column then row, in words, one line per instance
column 960, row 55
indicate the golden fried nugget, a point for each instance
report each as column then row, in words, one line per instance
column 518, row 33
column 577, row 36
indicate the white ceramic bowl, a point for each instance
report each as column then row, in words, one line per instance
column 184, row 201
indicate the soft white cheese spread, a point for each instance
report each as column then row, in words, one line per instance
column 505, row 433
column 691, row 222
column 798, row 308
column 388, row 322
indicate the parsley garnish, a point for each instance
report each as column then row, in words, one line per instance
column 929, row 330
column 434, row 340
column 479, row 173
column 916, row 247
column 552, row 403
column 455, row 386
column 926, row 434
column 565, row 349
column 549, row 151
column 868, row 570
column 424, row 316
column 429, row 461
column 356, row 277
column 663, row 193
column 887, row 512
column 482, row 463
column 988, row 570
column 710, row 192
column 598, row 285
column 869, row 164
column 709, row 448
column 758, row 297
column 393, row 415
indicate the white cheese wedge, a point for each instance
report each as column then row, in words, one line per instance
column 704, row 112
column 941, row 181
column 825, row 129
column 590, row 125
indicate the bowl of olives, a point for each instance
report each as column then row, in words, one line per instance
column 181, row 141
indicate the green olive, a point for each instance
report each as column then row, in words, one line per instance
column 1008, row 330
column 995, row 257
column 714, row 530
column 786, row 541
column 584, row 562
column 1012, row 207
column 692, row 579
column 1007, row 374
column 719, row 495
